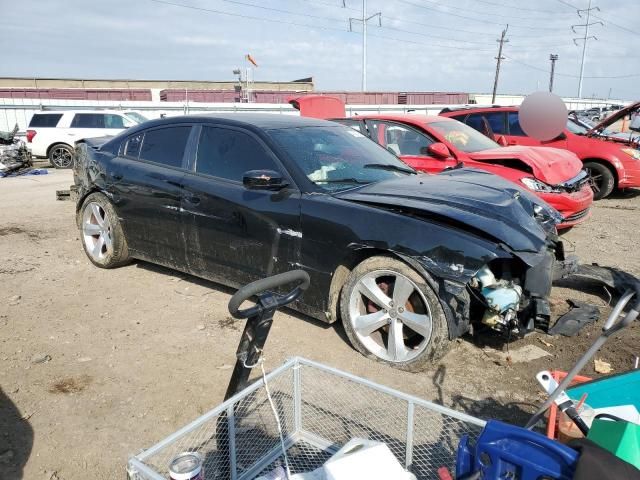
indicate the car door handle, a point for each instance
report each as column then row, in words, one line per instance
column 192, row 199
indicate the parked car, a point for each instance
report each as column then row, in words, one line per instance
column 611, row 163
column 51, row 134
column 432, row 144
column 399, row 257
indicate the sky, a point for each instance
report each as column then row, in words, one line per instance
column 422, row 45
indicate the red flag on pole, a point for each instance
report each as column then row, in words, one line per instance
column 250, row 59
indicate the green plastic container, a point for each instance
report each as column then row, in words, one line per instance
column 620, row 438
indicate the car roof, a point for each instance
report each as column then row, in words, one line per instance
column 46, row 112
column 476, row 108
column 264, row 121
column 416, row 119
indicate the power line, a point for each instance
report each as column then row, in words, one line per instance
column 434, row 25
column 609, row 77
column 305, row 25
column 519, row 7
column 528, row 27
column 470, row 42
column 479, row 12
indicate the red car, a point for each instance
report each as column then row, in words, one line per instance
column 612, row 162
column 431, row 144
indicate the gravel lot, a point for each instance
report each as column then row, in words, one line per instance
column 96, row 365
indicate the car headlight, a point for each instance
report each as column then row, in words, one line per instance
column 538, row 186
column 632, row 152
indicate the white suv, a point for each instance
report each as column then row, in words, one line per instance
column 52, row 134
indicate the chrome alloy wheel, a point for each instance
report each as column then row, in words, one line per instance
column 390, row 316
column 96, row 232
column 61, row 157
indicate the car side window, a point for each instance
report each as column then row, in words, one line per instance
column 514, row 125
column 495, row 120
column 116, row 121
column 132, row 146
column 88, row 120
column 399, row 139
column 228, row 154
column 164, row 145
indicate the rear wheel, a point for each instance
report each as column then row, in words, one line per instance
column 602, row 179
column 102, row 236
column 61, row 156
column 392, row 315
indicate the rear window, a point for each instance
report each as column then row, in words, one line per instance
column 165, row 145
column 45, row 119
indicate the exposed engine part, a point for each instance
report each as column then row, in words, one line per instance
column 502, row 298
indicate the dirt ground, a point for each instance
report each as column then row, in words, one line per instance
column 97, row 364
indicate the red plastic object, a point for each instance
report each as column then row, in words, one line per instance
column 552, row 421
column 318, row 106
column 443, row 474
column 30, row 135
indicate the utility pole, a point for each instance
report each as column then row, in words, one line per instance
column 584, row 39
column 499, row 58
column 364, row 21
column 553, row 58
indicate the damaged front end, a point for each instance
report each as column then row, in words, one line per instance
column 512, row 297
column 15, row 157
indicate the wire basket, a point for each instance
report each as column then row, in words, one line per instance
column 320, row 409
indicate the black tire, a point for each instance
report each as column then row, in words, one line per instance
column 61, row 155
column 423, row 352
column 602, row 179
column 109, row 253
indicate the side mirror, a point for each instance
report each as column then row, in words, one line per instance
column 502, row 141
column 263, row 180
column 562, row 136
column 439, row 150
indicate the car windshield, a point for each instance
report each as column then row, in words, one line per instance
column 337, row 158
column 463, row 137
column 136, row 117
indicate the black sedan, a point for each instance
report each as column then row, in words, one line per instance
column 407, row 261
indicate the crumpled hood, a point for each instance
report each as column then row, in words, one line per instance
column 487, row 204
column 551, row 165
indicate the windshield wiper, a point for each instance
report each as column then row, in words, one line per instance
column 342, row 180
column 388, row 166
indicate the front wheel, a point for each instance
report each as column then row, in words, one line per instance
column 102, row 236
column 61, row 156
column 392, row 315
column 602, row 180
